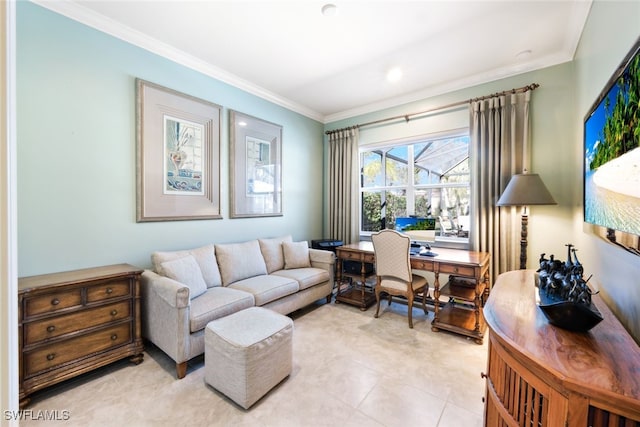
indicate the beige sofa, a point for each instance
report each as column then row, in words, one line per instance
column 188, row 289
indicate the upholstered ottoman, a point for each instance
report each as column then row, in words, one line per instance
column 248, row 353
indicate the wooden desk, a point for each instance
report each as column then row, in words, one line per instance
column 453, row 316
column 539, row 374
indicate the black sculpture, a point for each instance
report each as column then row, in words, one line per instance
column 565, row 297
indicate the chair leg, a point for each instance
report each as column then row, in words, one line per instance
column 377, row 302
column 410, row 306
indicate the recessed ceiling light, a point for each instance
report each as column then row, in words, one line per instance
column 329, row 9
column 394, row 75
column 242, row 123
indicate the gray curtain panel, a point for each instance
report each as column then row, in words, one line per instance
column 343, row 185
column 500, row 140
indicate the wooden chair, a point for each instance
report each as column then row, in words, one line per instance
column 393, row 270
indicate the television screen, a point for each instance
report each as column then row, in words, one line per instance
column 612, row 151
column 414, row 223
column 418, row 229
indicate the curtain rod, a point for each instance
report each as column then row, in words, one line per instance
column 406, row 117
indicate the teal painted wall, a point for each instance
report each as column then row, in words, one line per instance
column 611, row 30
column 77, row 151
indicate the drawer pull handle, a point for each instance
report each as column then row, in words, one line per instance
column 114, row 312
column 51, row 328
column 55, row 301
column 455, row 269
column 114, row 337
column 51, row 356
column 109, row 291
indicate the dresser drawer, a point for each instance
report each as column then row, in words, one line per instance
column 50, row 356
column 50, row 328
column 108, row 290
column 460, row 270
column 52, row 302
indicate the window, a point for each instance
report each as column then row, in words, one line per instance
column 426, row 178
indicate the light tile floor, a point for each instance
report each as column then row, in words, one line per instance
column 349, row 369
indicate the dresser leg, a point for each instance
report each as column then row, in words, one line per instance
column 137, row 359
column 24, row 402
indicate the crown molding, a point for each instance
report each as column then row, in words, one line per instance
column 115, row 29
column 451, row 86
column 76, row 12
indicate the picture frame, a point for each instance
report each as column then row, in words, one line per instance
column 255, row 152
column 178, row 155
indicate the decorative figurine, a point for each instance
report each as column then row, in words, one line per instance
column 565, row 297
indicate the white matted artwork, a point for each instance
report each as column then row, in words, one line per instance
column 178, row 155
column 256, row 167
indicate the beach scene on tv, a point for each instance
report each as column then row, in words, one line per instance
column 612, row 156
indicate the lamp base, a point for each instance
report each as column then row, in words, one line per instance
column 523, row 241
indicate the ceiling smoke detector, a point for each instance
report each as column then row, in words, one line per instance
column 329, row 9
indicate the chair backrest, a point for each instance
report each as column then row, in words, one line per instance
column 391, row 251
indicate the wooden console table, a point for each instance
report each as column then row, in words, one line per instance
column 76, row 321
column 469, row 269
column 539, row 374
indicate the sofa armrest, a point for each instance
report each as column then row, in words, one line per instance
column 323, row 259
column 165, row 309
column 321, row 256
column 174, row 293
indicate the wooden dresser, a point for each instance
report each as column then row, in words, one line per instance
column 541, row 375
column 76, row 321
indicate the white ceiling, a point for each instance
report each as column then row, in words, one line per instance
column 333, row 67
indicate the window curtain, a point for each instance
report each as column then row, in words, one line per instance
column 500, row 128
column 343, row 185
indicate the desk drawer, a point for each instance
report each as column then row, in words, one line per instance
column 50, row 328
column 356, row 256
column 108, row 290
column 53, row 355
column 49, row 303
column 422, row 264
column 459, row 270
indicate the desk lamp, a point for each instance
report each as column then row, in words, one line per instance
column 524, row 190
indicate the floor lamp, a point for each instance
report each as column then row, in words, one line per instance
column 524, row 190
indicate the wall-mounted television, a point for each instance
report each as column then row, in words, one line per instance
column 612, row 151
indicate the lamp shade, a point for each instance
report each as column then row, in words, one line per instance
column 526, row 189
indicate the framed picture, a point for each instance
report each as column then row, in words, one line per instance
column 178, row 155
column 256, row 167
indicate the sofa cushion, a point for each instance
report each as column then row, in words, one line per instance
column 239, row 261
column 267, row 288
column 186, row 271
column 306, row 277
column 296, row 255
column 272, row 252
column 216, row 303
column 205, row 256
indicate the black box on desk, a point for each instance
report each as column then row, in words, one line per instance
column 326, row 244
